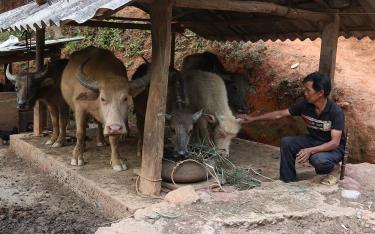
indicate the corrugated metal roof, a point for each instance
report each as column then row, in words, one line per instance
column 356, row 20
column 57, row 12
column 20, row 46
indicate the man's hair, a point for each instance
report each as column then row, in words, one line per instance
column 320, row 82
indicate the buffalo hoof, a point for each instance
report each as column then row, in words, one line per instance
column 121, row 167
column 57, row 144
column 75, row 162
column 100, row 144
column 49, row 142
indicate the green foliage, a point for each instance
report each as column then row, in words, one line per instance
column 199, row 44
column 109, row 38
column 5, row 35
column 136, row 43
column 288, row 91
column 130, row 42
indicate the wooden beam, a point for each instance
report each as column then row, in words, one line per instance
column 153, row 143
column 173, row 49
column 322, row 3
column 369, row 7
column 128, row 19
column 108, row 24
column 252, row 7
column 39, row 60
column 25, row 56
column 328, row 50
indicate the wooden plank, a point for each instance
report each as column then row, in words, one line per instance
column 369, row 7
column 25, row 56
column 108, row 24
column 128, row 19
column 328, row 50
column 252, row 7
column 173, row 49
column 39, row 57
column 153, row 143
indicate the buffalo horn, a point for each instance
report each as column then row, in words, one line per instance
column 84, row 80
column 41, row 74
column 9, row 75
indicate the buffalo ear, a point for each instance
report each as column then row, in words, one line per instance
column 168, row 117
column 47, row 82
column 227, row 78
column 137, row 86
column 134, row 91
column 87, row 96
column 210, row 118
column 197, row 115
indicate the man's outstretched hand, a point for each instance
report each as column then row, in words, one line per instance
column 245, row 118
column 304, row 154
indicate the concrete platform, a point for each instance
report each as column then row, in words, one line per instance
column 115, row 192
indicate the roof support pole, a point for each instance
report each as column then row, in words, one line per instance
column 328, row 49
column 39, row 108
column 153, row 143
column 173, row 48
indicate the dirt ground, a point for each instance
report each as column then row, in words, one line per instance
column 301, row 207
column 31, row 202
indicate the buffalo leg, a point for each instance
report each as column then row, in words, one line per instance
column 116, row 163
column 201, row 132
column 140, row 127
column 81, row 119
column 63, row 122
column 99, row 135
column 52, row 109
column 139, row 146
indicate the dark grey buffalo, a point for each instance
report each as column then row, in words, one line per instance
column 236, row 85
column 179, row 117
column 45, row 86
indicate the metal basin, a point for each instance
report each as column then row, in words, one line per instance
column 184, row 171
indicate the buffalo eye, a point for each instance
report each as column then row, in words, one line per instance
column 124, row 99
column 103, row 99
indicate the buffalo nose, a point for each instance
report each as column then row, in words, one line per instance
column 181, row 152
column 115, row 129
column 21, row 105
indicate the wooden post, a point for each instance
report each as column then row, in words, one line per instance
column 153, row 143
column 328, row 49
column 39, row 57
column 173, row 48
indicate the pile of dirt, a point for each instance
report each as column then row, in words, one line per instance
column 31, row 202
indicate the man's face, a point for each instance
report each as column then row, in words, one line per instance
column 310, row 94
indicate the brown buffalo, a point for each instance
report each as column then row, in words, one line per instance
column 95, row 83
column 44, row 86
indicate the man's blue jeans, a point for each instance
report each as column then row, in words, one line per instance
column 323, row 162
